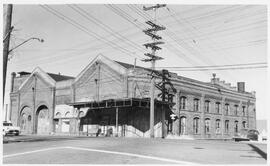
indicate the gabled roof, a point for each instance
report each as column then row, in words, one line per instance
column 24, row 73
column 55, row 77
column 58, row 77
column 100, row 58
column 42, row 74
column 129, row 66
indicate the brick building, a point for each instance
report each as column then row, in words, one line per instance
column 114, row 97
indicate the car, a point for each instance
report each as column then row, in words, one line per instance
column 246, row 135
column 8, row 129
column 253, row 134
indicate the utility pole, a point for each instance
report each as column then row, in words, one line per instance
column 6, row 40
column 153, row 58
column 167, row 93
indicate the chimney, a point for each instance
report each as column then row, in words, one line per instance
column 213, row 80
column 241, row 86
column 13, row 75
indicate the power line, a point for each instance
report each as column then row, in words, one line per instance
column 84, row 29
column 123, row 15
column 235, row 68
column 236, row 65
column 105, row 27
column 146, row 16
column 78, row 52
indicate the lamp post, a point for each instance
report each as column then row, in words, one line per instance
column 32, row 38
column 6, row 59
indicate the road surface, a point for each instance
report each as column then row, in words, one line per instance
column 87, row 150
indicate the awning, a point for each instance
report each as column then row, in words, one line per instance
column 123, row 102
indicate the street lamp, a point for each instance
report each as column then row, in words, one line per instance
column 32, row 38
column 6, row 52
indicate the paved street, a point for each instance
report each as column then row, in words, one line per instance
column 87, row 150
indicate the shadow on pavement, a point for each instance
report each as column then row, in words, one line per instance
column 259, row 151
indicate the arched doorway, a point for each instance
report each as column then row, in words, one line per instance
column 43, row 123
column 25, row 120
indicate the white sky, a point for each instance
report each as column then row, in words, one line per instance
column 205, row 35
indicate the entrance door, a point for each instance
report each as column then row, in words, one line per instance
column 25, row 121
column 43, row 121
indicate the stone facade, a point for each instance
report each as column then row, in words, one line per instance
column 40, row 102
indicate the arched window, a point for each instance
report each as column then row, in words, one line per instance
column 183, row 125
column 207, row 125
column 244, row 110
column 235, row 109
column 196, row 125
column 217, row 107
column 67, row 114
column 244, row 124
column 58, row 115
column 218, row 126
column 236, row 126
column 183, row 101
column 227, row 109
column 81, row 114
column 29, row 117
column 226, row 126
column 196, row 104
column 206, row 105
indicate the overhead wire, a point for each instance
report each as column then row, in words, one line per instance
column 78, row 52
column 214, row 66
column 178, row 41
column 212, row 42
column 105, row 27
column 54, row 56
column 216, row 69
column 147, row 17
column 84, row 29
